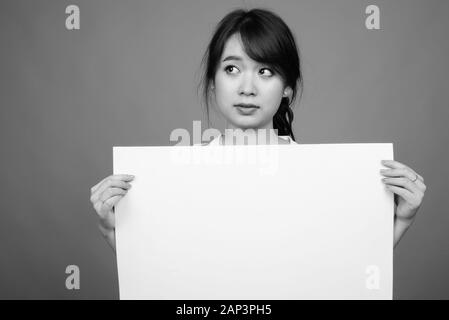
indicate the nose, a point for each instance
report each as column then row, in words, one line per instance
column 247, row 87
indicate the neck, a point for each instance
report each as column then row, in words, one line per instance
column 262, row 135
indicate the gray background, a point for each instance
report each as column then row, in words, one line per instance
column 128, row 78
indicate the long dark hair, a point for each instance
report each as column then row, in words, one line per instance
column 266, row 39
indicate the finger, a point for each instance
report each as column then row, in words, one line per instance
column 112, row 202
column 103, row 205
column 395, row 165
column 416, row 196
column 109, row 184
column 109, row 206
column 123, row 177
column 398, row 165
column 404, row 173
column 107, row 215
column 110, row 192
column 95, row 187
column 404, row 193
column 404, row 183
column 421, row 186
column 100, row 210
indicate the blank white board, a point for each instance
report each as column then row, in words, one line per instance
column 255, row 222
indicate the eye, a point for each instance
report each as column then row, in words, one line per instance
column 270, row 73
column 229, row 68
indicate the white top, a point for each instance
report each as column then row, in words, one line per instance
column 216, row 141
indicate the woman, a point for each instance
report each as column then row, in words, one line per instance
column 253, row 73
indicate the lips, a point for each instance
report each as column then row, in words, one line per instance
column 247, row 105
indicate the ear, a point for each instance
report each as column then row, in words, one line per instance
column 287, row 93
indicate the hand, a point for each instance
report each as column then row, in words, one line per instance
column 408, row 188
column 104, row 196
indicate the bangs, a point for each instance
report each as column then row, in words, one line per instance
column 261, row 45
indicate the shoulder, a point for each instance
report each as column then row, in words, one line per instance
column 289, row 139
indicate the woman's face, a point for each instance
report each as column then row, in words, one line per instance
column 241, row 80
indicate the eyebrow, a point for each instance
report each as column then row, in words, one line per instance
column 232, row 58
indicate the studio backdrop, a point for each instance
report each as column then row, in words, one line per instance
column 127, row 76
